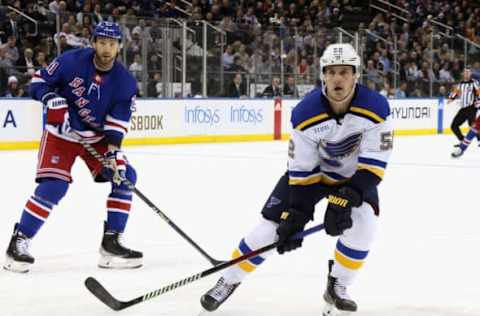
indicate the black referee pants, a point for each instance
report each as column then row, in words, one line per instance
column 464, row 114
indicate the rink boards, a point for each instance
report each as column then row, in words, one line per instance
column 174, row 121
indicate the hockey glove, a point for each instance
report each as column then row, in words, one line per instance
column 291, row 222
column 56, row 107
column 117, row 166
column 338, row 215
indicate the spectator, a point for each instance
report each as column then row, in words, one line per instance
column 3, row 81
column 272, row 90
column 136, row 67
column 228, row 57
column 26, row 63
column 85, row 37
column 41, row 59
column 11, row 50
column 97, row 16
column 303, row 69
column 372, row 73
column 63, row 45
column 236, row 88
column 290, row 88
column 13, row 90
column 11, row 27
column 71, row 40
column 5, row 62
column 385, row 89
column 444, row 75
column 237, row 65
column 155, row 86
column 401, row 92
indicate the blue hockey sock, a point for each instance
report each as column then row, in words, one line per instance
column 472, row 133
column 37, row 209
column 119, row 202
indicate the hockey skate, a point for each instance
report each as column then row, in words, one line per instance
column 113, row 255
column 337, row 300
column 18, row 259
column 217, row 295
column 457, row 152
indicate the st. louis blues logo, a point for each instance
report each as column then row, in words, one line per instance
column 341, row 149
column 273, row 201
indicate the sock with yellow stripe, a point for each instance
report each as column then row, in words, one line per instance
column 263, row 234
column 348, row 262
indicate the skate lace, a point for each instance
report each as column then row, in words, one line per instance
column 222, row 290
column 22, row 244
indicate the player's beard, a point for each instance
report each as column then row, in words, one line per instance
column 103, row 63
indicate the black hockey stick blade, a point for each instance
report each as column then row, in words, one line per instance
column 102, row 294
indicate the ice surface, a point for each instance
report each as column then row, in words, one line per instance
column 424, row 263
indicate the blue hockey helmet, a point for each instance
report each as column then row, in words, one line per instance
column 108, row 29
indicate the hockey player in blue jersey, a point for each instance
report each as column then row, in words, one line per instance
column 340, row 143
column 86, row 94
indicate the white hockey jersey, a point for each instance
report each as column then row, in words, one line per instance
column 330, row 149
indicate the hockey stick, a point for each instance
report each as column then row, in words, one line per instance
column 92, row 151
column 103, row 295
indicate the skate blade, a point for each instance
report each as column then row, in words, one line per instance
column 203, row 312
column 16, row 266
column 111, row 262
column 331, row 310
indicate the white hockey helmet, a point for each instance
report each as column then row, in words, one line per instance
column 339, row 54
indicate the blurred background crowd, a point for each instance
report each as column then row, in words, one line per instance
column 250, row 48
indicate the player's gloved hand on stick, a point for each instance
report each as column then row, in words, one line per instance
column 117, row 166
column 338, row 215
column 56, row 107
column 57, row 112
column 292, row 221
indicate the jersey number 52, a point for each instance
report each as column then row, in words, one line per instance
column 386, row 141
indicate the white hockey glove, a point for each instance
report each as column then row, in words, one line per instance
column 117, row 166
column 57, row 107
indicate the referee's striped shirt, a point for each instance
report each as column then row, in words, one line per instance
column 467, row 91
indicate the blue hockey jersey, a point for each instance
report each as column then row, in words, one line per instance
column 99, row 103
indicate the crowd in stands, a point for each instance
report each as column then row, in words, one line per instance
column 265, row 39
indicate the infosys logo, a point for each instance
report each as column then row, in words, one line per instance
column 243, row 114
column 202, row 115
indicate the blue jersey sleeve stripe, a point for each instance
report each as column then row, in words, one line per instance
column 373, row 162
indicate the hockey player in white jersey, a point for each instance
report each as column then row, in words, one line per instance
column 341, row 139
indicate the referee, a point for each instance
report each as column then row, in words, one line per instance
column 468, row 90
